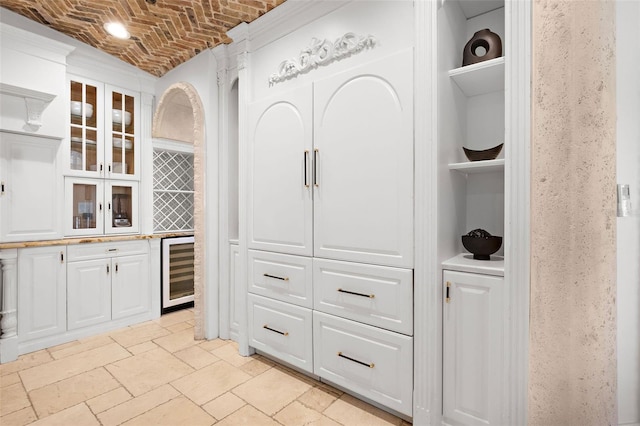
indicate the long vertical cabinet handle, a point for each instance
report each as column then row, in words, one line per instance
column 447, row 298
column 306, row 168
column 315, row 167
column 1, row 188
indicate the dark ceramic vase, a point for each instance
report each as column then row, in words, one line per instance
column 486, row 39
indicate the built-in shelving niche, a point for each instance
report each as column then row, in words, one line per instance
column 471, row 113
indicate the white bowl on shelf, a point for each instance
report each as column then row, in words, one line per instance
column 117, row 143
column 77, row 109
column 79, row 140
column 118, row 167
column 116, row 117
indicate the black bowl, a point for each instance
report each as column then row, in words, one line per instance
column 481, row 247
column 485, row 154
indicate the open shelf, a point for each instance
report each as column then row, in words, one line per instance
column 486, row 166
column 464, row 262
column 478, row 79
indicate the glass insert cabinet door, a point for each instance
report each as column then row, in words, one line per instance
column 121, row 199
column 96, row 207
column 122, row 141
column 85, row 128
column 85, row 208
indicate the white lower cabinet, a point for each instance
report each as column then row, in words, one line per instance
column 130, row 286
column 88, row 293
column 375, row 363
column 358, row 335
column 282, row 330
column 376, row 295
column 281, row 276
column 107, row 281
column 472, row 349
column 42, row 292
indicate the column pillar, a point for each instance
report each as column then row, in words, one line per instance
column 572, row 357
column 9, row 305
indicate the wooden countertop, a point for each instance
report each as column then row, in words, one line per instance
column 83, row 240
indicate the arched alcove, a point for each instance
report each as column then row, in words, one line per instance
column 180, row 116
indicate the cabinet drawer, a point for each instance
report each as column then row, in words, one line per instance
column 281, row 330
column 281, row 276
column 374, row 363
column 104, row 250
column 375, row 295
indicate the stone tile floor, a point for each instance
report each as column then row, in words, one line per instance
column 155, row 373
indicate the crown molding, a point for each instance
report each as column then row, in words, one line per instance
column 33, row 44
column 282, row 20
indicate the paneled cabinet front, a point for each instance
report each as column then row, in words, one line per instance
column 363, row 163
column 107, row 281
column 42, row 292
column 31, row 188
column 332, row 167
column 473, row 349
column 280, row 198
column 130, row 286
column 88, row 293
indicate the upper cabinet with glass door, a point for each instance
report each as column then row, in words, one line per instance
column 104, row 135
column 122, row 141
column 86, row 153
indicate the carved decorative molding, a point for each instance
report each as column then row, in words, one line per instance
column 321, row 52
column 243, row 60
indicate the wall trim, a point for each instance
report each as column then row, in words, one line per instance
column 517, row 209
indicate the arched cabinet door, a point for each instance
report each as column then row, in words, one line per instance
column 280, row 197
column 363, row 138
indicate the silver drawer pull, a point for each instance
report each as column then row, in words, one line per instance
column 370, row 296
column 370, row 365
column 277, row 278
column 284, row 333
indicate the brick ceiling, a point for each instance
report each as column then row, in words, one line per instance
column 164, row 33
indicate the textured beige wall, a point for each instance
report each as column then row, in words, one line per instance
column 572, row 361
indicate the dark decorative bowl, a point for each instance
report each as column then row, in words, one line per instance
column 481, row 244
column 485, row 154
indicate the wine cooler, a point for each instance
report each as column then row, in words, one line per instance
column 177, row 273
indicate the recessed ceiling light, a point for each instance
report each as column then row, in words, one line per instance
column 117, row 30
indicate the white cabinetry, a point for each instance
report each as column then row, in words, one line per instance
column 89, row 293
column 103, row 147
column 363, row 163
column 99, row 206
column 351, row 190
column 330, row 228
column 280, row 197
column 30, row 188
column 42, row 292
column 373, row 362
column 235, row 292
column 472, row 349
column 107, row 282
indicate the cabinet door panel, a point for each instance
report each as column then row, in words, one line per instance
column 42, row 292
column 131, row 289
column 372, row 362
column 31, row 197
column 363, row 131
column 88, row 293
column 280, row 203
column 472, row 357
column 235, row 296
